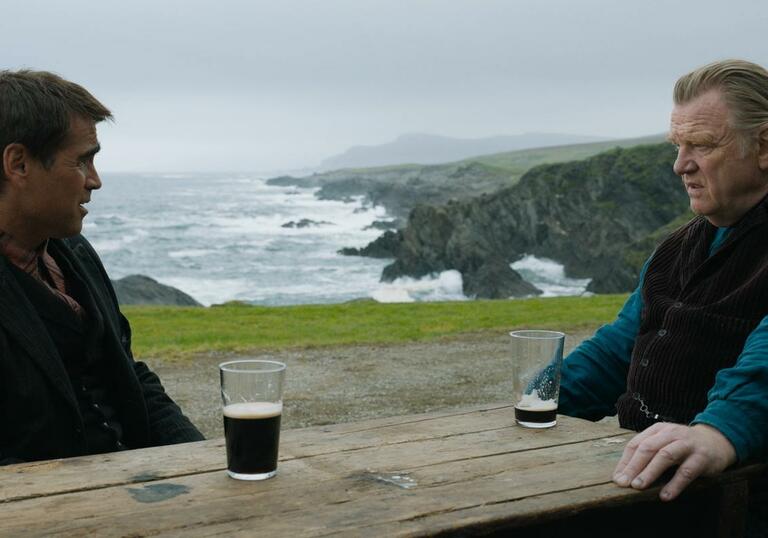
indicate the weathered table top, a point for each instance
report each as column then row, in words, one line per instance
column 463, row 472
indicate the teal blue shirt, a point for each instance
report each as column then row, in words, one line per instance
column 595, row 375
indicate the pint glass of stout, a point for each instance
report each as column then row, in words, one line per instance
column 252, row 396
column 536, row 360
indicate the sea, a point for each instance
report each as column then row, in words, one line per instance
column 228, row 237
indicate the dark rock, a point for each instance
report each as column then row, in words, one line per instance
column 382, row 225
column 496, row 279
column 612, row 275
column 344, row 189
column 140, row 289
column 583, row 214
column 386, row 246
column 304, row 223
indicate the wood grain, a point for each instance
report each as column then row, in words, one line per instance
column 444, row 473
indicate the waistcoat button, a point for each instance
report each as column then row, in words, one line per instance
column 662, row 332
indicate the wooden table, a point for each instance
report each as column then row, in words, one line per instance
column 455, row 473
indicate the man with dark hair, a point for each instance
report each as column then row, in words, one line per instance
column 68, row 382
column 686, row 362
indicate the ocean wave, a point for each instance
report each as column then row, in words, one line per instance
column 446, row 286
column 549, row 276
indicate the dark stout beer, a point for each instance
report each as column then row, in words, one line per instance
column 533, row 412
column 252, row 431
column 535, row 416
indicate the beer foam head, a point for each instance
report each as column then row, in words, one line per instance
column 253, row 410
column 532, row 402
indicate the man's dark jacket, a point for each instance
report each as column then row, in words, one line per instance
column 39, row 413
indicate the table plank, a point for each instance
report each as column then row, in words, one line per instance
column 138, row 466
column 444, row 472
column 332, row 493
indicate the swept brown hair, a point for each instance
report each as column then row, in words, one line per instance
column 36, row 108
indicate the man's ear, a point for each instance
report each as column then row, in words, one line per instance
column 762, row 149
column 16, row 162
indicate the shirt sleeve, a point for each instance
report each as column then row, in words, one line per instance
column 594, row 374
column 737, row 406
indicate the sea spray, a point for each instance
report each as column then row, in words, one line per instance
column 549, row 276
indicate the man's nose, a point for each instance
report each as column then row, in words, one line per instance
column 685, row 162
column 93, row 181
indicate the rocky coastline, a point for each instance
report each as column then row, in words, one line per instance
column 598, row 209
column 599, row 217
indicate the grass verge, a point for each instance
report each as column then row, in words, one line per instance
column 180, row 331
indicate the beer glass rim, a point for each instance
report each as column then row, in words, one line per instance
column 266, row 366
column 536, row 334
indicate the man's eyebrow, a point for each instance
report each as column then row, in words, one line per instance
column 91, row 152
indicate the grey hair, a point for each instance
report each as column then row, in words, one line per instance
column 744, row 86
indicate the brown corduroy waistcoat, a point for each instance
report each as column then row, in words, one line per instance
column 698, row 311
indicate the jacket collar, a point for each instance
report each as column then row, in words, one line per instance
column 21, row 322
column 699, row 263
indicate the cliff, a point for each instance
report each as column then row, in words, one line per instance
column 587, row 215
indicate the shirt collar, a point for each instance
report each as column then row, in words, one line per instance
column 20, row 256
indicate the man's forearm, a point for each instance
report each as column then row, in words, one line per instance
column 738, row 406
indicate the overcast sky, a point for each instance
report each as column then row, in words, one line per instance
column 236, row 85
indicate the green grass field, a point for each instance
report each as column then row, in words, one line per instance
column 178, row 331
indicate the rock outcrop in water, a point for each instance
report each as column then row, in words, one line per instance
column 142, row 290
column 587, row 215
column 386, row 245
column 305, row 223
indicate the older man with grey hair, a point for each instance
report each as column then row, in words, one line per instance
column 686, row 361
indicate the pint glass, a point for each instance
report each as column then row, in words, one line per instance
column 536, row 360
column 252, row 397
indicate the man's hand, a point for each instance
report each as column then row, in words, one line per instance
column 698, row 450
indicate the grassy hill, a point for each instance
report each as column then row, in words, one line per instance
column 401, row 187
column 519, row 162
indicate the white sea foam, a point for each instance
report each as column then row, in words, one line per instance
column 549, row 276
column 106, row 245
column 190, row 253
column 209, row 291
column 447, row 286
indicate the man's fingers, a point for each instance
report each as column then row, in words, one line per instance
column 629, row 451
column 690, row 469
column 696, row 450
column 665, row 457
column 626, row 457
column 639, row 453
